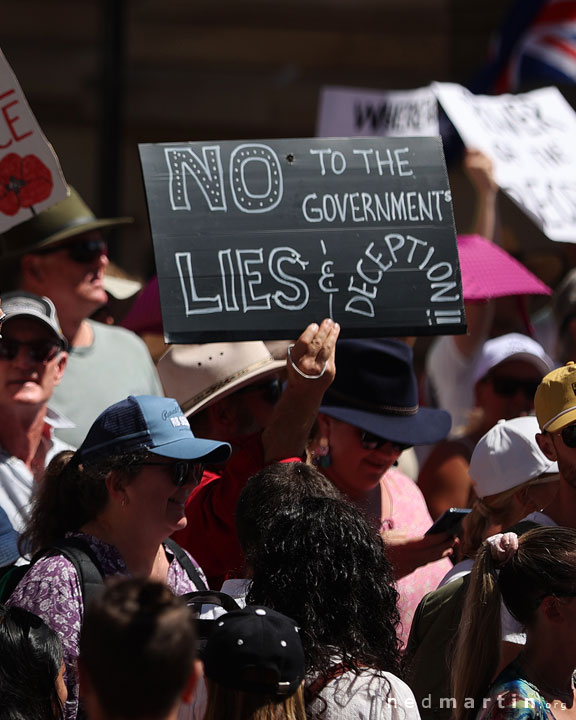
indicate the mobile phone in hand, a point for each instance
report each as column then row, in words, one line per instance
column 449, row 521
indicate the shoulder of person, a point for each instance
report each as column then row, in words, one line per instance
column 50, row 576
column 105, row 332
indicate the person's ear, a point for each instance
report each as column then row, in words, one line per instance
column 324, row 425
column 553, row 608
column 546, row 444
column 116, row 486
column 60, row 367
column 522, row 496
column 189, row 690
column 31, row 272
column 223, row 414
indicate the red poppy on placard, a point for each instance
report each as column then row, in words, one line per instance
column 24, row 181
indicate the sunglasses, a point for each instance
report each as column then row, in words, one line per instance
column 375, row 442
column 183, row 471
column 569, row 436
column 81, row 250
column 39, row 351
column 271, row 390
column 508, row 386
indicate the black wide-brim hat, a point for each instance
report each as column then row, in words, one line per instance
column 375, row 389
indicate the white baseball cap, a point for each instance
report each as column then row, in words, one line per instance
column 513, row 346
column 508, row 456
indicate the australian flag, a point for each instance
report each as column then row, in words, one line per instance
column 536, row 46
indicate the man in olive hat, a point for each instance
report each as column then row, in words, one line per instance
column 62, row 254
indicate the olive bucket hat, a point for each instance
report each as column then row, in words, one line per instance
column 55, row 225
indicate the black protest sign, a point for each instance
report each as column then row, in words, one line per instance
column 256, row 239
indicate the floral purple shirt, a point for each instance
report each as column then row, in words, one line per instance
column 51, row 590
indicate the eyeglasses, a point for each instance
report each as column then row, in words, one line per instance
column 569, row 436
column 39, row 351
column 271, row 390
column 183, row 471
column 375, row 442
column 80, row 250
column 508, row 386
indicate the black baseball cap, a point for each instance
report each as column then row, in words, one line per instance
column 257, row 650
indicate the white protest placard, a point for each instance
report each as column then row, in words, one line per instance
column 354, row 112
column 30, row 176
column 531, row 139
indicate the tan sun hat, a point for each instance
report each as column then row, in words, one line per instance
column 199, row 375
column 119, row 283
column 64, row 220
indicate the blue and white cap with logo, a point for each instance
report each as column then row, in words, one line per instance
column 156, row 424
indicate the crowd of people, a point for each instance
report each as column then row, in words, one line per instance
column 299, row 481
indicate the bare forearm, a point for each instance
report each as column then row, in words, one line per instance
column 295, row 413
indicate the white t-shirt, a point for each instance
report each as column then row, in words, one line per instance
column 464, row 567
column 17, row 481
column 450, row 377
column 366, row 697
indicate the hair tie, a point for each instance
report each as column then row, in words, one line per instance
column 502, row 547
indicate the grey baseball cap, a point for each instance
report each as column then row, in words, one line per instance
column 24, row 304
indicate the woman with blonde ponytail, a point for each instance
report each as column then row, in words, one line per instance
column 535, row 577
column 513, row 480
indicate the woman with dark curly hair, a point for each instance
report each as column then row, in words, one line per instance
column 326, row 567
column 119, row 496
column 368, row 417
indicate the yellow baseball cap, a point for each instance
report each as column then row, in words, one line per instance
column 555, row 399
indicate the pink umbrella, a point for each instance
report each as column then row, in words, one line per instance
column 488, row 271
column 145, row 316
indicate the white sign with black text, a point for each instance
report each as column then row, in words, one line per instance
column 531, row 139
column 355, row 112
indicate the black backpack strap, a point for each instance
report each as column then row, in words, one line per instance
column 184, row 559
column 10, row 576
column 522, row 526
column 86, row 564
column 197, row 599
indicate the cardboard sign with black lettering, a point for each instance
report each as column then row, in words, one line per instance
column 256, row 239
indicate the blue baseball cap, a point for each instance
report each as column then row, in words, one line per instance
column 156, row 424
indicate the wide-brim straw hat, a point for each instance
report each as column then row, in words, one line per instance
column 62, row 221
column 200, row 375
